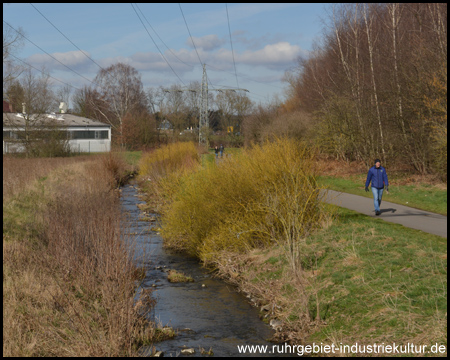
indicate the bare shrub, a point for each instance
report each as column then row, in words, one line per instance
column 294, row 125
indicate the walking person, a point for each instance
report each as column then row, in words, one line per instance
column 216, row 150
column 221, row 150
column 378, row 177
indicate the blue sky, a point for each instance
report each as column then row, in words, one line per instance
column 266, row 40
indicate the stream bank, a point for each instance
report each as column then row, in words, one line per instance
column 205, row 314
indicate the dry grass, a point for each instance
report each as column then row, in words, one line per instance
column 19, row 173
column 69, row 283
column 340, row 168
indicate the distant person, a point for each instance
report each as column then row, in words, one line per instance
column 216, row 150
column 378, row 177
column 221, row 150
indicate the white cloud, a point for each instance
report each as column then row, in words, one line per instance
column 207, row 43
column 72, row 59
column 274, row 55
column 277, row 56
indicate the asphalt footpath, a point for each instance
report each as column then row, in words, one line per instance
column 395, row 213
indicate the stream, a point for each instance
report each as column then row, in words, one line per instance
column 214, row 316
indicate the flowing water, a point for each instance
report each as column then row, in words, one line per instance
column 207, row 313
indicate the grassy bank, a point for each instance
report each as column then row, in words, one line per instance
column 339, row 278
column 368, row 282
column 68, row 281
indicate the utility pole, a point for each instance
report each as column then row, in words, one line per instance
column 203, row 126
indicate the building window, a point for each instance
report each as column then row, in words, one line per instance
column 88, row 134
column 7, row 134
column 101, row 134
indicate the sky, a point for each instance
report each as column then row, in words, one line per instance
column 169, row 43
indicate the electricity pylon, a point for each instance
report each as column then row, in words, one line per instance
column 203, row 126
column 204, row 118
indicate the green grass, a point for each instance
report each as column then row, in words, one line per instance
column 378, row 281
column 21, row 215
column 375, row 281
column 132, row 157
column 371, row 280
column 424, row 197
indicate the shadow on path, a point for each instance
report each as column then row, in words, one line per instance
column 413, row 218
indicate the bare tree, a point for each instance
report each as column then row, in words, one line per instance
column 368, row 19
column 234, row 106
column 12, row 41
column 155, row 97
column 120, row 91
column 32, row 129
column 174, row 106
column 87, row 103
column 376, row 83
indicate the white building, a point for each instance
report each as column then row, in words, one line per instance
column 83, row 134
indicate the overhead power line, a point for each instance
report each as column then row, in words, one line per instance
column 232, row 52
column 201, row 63
column 50, row 54
column 67, row 38
column 162, row 39
column 105, row 71
column 62, row 82
column 156, row 45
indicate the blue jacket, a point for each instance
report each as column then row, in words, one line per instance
column 378, row 177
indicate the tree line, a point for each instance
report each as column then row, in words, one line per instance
column 376, row 83
column 117, row 97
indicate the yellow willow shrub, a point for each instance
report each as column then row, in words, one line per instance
column 163, row 169
column 267, row 194
column 167, row 159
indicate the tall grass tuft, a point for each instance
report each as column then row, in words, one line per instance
column 266, row 195
column 69, row 282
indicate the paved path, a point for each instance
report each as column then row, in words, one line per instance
column 395, row 213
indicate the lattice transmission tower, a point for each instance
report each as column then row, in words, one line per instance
column 204, row 111
column 203, row 126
